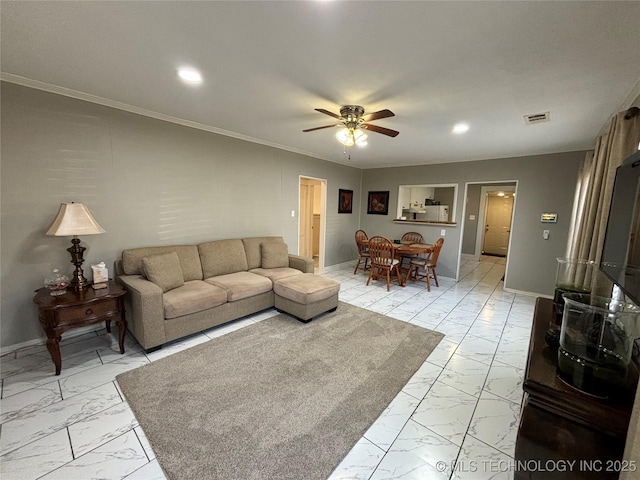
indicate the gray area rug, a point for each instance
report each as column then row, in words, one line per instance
column 275, row 400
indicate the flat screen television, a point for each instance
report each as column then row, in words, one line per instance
column 621, row 252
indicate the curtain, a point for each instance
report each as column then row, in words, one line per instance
column 594, row 190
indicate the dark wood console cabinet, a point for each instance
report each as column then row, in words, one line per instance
column 560, row 424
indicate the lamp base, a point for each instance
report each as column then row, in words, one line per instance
column 78, row 282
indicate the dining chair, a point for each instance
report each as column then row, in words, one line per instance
column 363, row 252
column 382, row 260
column 410, row 237
column 428, row 264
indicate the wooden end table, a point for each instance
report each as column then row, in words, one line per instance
column 79, row 308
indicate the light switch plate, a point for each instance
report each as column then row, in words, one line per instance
column 442, row 232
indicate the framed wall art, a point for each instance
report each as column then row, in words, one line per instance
column 378, row 203
column 345, row 201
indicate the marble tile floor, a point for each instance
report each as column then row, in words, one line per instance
column 455, row 419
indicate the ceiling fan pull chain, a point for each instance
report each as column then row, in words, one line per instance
column 344, row 152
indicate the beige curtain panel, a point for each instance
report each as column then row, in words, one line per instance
column 594, row 191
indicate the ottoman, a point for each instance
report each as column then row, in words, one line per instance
column 306, row 296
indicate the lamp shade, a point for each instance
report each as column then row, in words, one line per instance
column 74, row 219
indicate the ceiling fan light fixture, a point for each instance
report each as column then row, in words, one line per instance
column 352, row 136
column 353, row 124
column 360, row 137
column 344, row 137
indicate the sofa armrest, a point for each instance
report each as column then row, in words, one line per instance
column 145, row 310
column 304, row 264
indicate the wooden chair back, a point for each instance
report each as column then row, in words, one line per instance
column 363, row 252
column 382, row 260
column 360, row 236
column 413, row 237
column 433, row 258
column 381, row 251
column 429, row 265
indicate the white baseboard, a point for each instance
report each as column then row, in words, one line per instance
column 338, row 266
column 43, row 340
column 19, row 346
column 530, row 294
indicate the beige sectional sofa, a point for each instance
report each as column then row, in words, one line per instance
column 173, row 291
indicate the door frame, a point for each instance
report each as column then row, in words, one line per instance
column 482, row 215
column 323, row 215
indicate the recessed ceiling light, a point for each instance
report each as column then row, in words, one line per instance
column 460, row 128
column 190, row 75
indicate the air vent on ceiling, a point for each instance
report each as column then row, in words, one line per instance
column 536, row 118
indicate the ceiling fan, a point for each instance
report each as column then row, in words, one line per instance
column 354, row 121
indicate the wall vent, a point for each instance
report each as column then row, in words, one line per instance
column 536, row 118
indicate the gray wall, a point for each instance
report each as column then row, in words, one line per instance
column 147, row 182
column 471, row 226
column 546, row 183
column 150, row 182
column 445, row 196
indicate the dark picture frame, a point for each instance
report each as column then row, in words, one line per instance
column 345, row 201
column 378, row 203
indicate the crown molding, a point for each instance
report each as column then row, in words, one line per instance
column 631, row 100
column 87, row 97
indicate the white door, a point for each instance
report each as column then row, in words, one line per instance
column 497, row 224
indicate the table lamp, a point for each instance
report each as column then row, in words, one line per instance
column 74, row 219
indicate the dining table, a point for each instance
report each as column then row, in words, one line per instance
column 401, row 249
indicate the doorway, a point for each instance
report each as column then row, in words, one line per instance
column 497, row 229
column 474, row 220
column 312, row 219
column 485, row 190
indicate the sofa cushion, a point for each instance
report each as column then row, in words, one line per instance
column 222, row 257
column 274, row 274
column 187, row 254
column 192, row 297
column 253, row 249
column 164, row 270
column 275, row 255
column 241, row 285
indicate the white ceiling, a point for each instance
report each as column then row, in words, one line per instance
column 267, row 65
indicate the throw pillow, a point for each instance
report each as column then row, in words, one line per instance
column 164, row 270
column 275, row 255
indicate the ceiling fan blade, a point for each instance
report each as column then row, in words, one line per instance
column 319, row 128
column 327, row 112
column 382, row 130
column 378, row 115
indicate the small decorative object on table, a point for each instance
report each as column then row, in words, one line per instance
column 57, row 283
column 100, row 276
